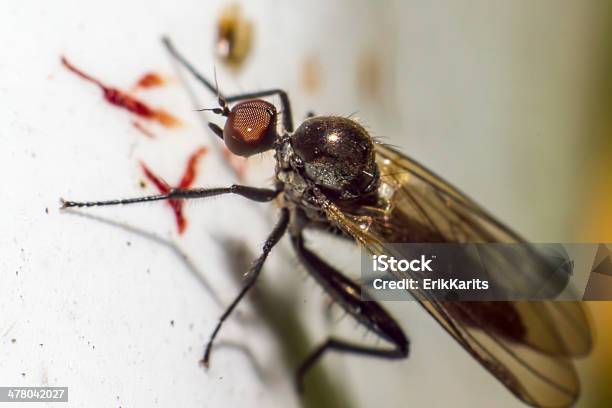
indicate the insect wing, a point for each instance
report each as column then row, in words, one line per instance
column 528, row 346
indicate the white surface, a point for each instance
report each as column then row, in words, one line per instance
column 102, row 308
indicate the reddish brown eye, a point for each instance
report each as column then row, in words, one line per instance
column 250, row 127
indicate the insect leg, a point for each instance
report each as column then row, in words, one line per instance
column 252, row 193
column 348, row 294
column 251, row 276
column 287, row 117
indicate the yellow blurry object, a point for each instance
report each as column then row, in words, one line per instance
column 234, row 36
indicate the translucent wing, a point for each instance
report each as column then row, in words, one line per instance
column 528, row 346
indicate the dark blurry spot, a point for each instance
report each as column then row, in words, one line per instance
column 238, row 255
column 172, row 323
column 47, row 210
column 142, row 184
column 13, row 341
column 369, row 80
column 234, row 36
column 310, row 75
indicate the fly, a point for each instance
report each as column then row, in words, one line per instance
column 331, row 175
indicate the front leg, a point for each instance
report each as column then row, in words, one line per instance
column 261, row 195
column 348, row 294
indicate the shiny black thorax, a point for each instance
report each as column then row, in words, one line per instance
column 332, row 154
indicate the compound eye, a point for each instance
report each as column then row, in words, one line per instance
column 250, row 127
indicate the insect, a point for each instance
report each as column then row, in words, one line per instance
column 331, row 175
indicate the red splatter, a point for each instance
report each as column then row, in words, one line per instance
column 166, row 119
column 190, row 170
column 237, row 163
column 187, row 180
column 149, row 80
column 123, row 100
column 143, row 129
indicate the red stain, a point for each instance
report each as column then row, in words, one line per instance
column 166, row 119
column 123, row 100
column 143, row 130
column 189, row 176
column 149, row 80
column 237, row 163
